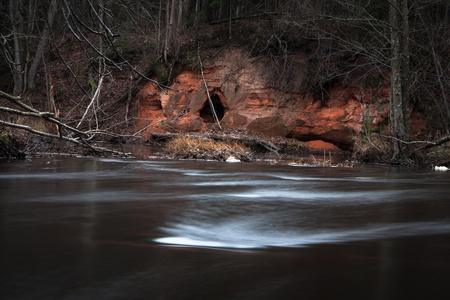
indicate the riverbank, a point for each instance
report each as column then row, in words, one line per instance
column 237, row 145
column 224, row 145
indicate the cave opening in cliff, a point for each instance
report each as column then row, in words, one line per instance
column 206, row 113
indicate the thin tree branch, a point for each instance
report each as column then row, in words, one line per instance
column 96, row 94
column 207, row 92
column 429, row 144
column 35, row 113
column 28, row 114
column 72, row 140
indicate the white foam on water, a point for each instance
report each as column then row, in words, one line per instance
column 124, row 160
column 360, row 197
column 232, row 183
column 344, row 179
column 183, row 241
column 239, row 236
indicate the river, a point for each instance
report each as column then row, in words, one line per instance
column 97, row 228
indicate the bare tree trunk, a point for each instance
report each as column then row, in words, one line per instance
column 197, row 13
column 399, row 102
column 229, row 20
column 101, row 59
column 42, row 44
column 17, row 63
column 168, row 32
column 173, row 28
column 175, row 23
column 30, row 16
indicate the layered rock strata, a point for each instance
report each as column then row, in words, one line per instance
column 241, row 98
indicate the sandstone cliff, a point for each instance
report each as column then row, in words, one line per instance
column 242, row 98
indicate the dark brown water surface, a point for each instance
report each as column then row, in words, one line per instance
column 89, row 228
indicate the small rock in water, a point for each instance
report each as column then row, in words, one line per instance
column 232, row 158
column 440, row 168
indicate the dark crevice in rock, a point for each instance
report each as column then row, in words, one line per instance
column 206, row 113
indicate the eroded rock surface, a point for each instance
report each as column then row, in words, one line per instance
column 242, row 98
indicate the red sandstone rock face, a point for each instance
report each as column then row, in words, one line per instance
column 241, row 99
column 321, row 145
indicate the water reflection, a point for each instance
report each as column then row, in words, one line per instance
column 120, row 228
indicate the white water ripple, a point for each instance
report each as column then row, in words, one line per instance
column 238, row 236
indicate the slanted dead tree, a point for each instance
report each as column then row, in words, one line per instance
column 207, row 93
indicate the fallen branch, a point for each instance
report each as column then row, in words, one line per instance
column 34, row 112
column 25, row 113
column 54, row 136
column 45, row 115
column 428, row 143
column 438, row 142
column 37, row 132
column 207, row 93
column 16, row 100
column 31, row 112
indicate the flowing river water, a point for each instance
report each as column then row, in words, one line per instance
column 93, row 228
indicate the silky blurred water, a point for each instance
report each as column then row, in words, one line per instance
column 92, row 228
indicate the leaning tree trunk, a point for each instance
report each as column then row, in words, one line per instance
column 399, row 104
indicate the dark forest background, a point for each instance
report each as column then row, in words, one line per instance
column 358, row 42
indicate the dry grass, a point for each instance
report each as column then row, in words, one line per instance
column 372, row 148
column 204, row 148
column 190, row 144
